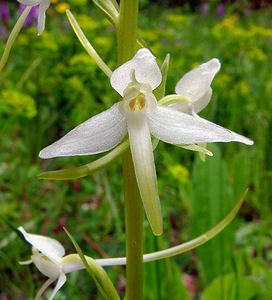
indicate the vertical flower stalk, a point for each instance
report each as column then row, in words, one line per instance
column 126, row 41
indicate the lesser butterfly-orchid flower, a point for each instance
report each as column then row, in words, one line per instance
column 140, row 116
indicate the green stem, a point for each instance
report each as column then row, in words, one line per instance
column 127, row 41
column 13, row 35
column 134, row 232
column 127, row 30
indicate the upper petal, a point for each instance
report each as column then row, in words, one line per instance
column 47, row 267
column 146, row 70
column 176, row 127
column 44, row 4
column 142, row 155
column 193, row 107
column 98, row 134
column 196, row 82
column 47, row 246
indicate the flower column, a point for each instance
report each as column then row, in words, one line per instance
column 126, row 39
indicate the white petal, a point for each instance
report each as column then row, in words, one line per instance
column 195, row 84
column 146, row 70
column 47, row 246
column 60, row 283
column 43, row 288
column 44, row 4
column 98, row 134
column 189, row 107
column 176, row 127
column 29, row 2
column 46, row 266
column 142, row 154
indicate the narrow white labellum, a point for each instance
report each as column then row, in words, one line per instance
column 142, row 154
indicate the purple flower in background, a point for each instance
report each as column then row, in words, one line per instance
column 32, row 16
column 4, row 17
column 220, row 10
column 204, row 9
column 4, row 11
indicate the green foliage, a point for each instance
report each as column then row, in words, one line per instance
column 232, row 287
column 211, row 199
column 17, row 104
column 162, row 278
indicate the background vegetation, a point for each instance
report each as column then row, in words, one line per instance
column 50, row 85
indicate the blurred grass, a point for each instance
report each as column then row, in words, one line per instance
column 50, row 85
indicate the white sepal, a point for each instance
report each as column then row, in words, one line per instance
column 98, row 134
column 44, row 5
column 195, row 84
column 146, row 71
column 142, row 154
column 176, row 127
column 49, row 247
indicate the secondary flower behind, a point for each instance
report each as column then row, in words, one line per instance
column 47, row 256
column 140, row 116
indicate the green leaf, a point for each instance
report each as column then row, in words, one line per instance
column 211, row 198
column 100, row 277
column 232, row 287
column 162, row 278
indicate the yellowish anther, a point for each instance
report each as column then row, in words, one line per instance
column 132, row 104
column 137, row 103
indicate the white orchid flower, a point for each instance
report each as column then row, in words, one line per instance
column 47, row 257
column 140, row 115
column 43, row 6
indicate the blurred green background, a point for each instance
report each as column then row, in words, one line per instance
column 51, row 84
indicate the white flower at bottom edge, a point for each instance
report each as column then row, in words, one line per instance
column 43, row 6
column 140, row 115
column 47, row 256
